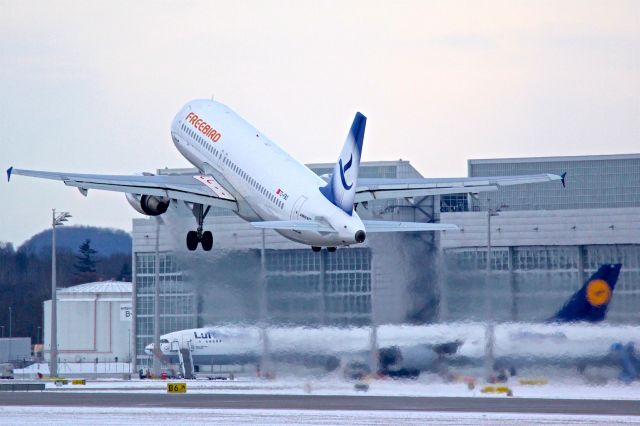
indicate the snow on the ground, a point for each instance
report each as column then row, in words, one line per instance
column 143, row 416
column 74, row 368
column 427, row 385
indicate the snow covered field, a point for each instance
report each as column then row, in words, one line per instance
column 427, row 385
column 118, row 416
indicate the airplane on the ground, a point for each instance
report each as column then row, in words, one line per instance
column 244, row 171
column 314, row 347
column 571, row 336
column 402, row 350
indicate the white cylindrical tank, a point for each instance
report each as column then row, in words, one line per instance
column 94, row 321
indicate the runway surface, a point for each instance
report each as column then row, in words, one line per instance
column 323, row 402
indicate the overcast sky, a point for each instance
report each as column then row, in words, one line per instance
column 93, row 86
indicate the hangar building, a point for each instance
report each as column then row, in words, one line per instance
column 545, row 243
column 94, row 321
column 546, row 239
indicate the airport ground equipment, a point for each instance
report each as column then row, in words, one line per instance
column 186, row 363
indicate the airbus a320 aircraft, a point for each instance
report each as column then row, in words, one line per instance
column 244, row 171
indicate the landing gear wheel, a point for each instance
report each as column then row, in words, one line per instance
column 331, row 249
column 195, row 237
column 207, row 240
column 192, row 240
column 316, row 249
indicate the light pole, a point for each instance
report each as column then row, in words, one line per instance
column 10, row 332
column 156, row 306
column 38, row 343
column 56, row 220
column 130, row 363
column 489, row 332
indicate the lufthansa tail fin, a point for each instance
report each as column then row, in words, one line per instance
column 341, row 189
column 591, row 301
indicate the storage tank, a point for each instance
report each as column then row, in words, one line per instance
column 94, row 322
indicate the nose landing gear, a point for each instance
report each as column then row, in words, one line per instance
column 199, row 236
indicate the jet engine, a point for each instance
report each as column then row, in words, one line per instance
column 149, row 205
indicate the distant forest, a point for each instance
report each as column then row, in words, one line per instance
column 84, row 254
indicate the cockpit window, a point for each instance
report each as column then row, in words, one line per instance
column 164, row 341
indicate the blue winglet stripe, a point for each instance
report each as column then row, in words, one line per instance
column 9, row 170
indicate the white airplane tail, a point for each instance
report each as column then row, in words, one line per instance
column 341, row 189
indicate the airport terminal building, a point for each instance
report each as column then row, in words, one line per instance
column 545, row 241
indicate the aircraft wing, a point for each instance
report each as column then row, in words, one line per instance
column 375, row 189
column 200, row 189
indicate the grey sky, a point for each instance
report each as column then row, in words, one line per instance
column 93, row 86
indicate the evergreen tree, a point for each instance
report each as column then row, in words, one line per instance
column 125, row 272
column 85, row 265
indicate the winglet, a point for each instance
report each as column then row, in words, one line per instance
column 9, row 170
column 341, row 188
column 562, row 179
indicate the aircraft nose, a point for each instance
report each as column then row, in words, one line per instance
column 360, row 236
column 149, row 349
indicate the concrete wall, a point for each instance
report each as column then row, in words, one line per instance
column 14, row 348
column 544, row 227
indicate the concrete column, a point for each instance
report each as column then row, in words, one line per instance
column 265, row 364
column 323, row 289
column 513, row 285
column 581, row 264
column 442, row 283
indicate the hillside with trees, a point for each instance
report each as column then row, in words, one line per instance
column 107, row 241
column 25, row 273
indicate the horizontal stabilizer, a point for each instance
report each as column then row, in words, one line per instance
column 294, row 225
column 389, row 226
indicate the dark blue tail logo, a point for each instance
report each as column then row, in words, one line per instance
column 590, row 302
column 343, row 170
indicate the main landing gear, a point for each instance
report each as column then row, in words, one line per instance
column 317, row 249
column 195, row 237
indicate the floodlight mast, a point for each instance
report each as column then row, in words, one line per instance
column 56, row 220
column 489, row 331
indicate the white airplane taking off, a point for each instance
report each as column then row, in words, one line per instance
column 243, row 171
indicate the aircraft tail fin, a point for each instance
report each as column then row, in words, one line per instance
column 341, row 189
column 591, row 301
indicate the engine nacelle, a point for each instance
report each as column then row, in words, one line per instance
column 149, row 205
